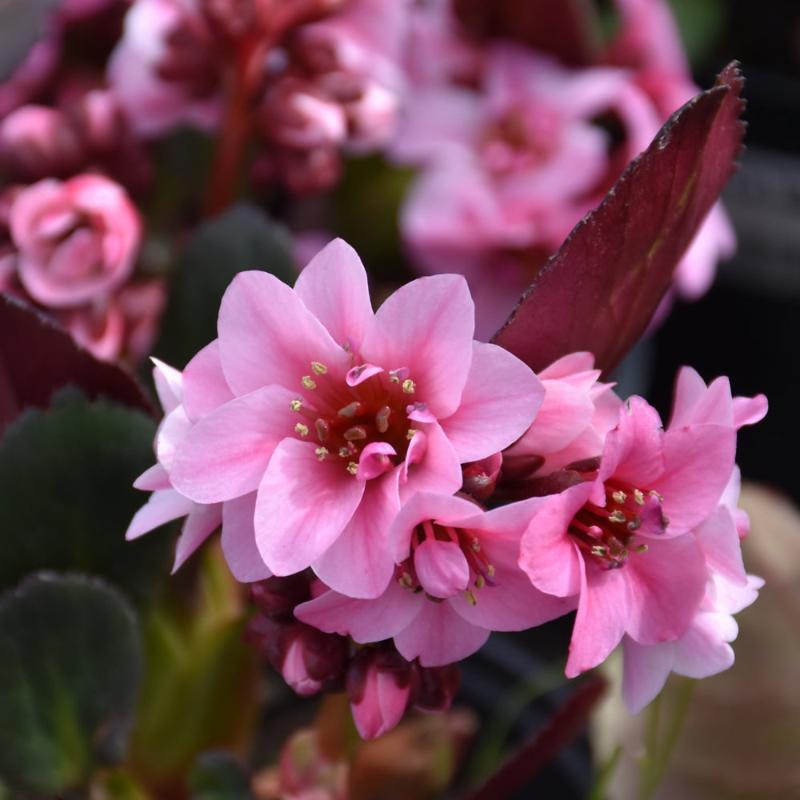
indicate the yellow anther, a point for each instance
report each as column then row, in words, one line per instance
column 301, row 429
column 344, row 452
column 480, row 582
column 352, row 468
column 635, row 523
column 412, row 432
column 296, row 405
column 394, row 377
column 638, row 497
column 318, row 367
column 490, row 570
column 617, row 516
column 405, row 581
column 471, row 599
column 619, row 497
column 476, row 545
column 599, row 550
column 642, row 548
column 321, row 453
column 308, row 382
column 409, row 387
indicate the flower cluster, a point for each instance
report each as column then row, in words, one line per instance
column 367, row 460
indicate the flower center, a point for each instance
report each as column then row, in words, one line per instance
column 468, row 572
column 367, row 421
column 609, row 533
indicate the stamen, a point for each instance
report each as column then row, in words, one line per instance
column 490, row 570
column 600, row 550
column 397, row 375
column 412, row 432
column 352, row 468
column 480, row 582
column 405, row 581
column 382, row 419
column 318, row 367
column 308, row 382
column 350, row 410
column 355, row 434
column 409, row 387
column 323, row 429
column 471, row 599
column 321, row 453
column 301, row 429
column 638, row 497
column 642, row 548
column 344, row 452
column 635, row 523
column 296, row 405
column 620, row 497
column 476, row 545
column 617, row 516
column 654, row 493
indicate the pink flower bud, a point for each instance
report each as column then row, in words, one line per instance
column 435, row 687
column 77, row 240
column 379, row 689
column 36, row 141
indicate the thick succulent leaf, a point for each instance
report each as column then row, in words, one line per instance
column 242, row 238
column 601, row 289
column 37, row 358
column 22, row 22
column 66, row 497
column 70, row 663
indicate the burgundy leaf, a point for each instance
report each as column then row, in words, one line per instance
column 601, row 289
column 37, row 358
column 566, row 28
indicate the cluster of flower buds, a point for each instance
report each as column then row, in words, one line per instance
column 439, row 490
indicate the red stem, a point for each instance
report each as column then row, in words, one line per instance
column 538, row 751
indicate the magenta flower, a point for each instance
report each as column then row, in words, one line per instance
column 625, row 542
column 457, row 580
column 341, row 413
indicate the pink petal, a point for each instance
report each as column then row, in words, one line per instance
column 204, row 385
column 695, row 404
column 633, row 450
column 439, row 635
column 169, row 385
column 645, row 671
column 499, row 402
column 719, row 540
column 438, row 469
column 333, row 286
column 359, row 563
column 374, row 460
column 172, row 432
column 163, row 506
column 364, row 620
column 226, row 453
column 567, row 366
column 303, row 506
column 153, row 478
column 603, row 609
column 427, row 326
column 749, row 410
column 268, row 336
column 239, row 540
column 199, row 525
column 704, row 649
column 441, row 568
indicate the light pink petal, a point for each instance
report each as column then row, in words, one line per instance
column 603, row 609
column 226, row 453
column 427, row 326
column 268, row 336
column 439, row 635
column 238, row 540
column 704, row 649
column 438, row 469
column 153, row 478
column 718, row 538
column 364, row 620
column 303, row 506
column 666, row 585
column 645, row 671
column 374, row 460
column 172, row 432
column 334, row 288
column 362, row 372
column 204, row 385
column 548, row 555
column 199, row 525
column 633, row 450
column 749, row 410
column 441, row 568
column 359, row 563
column 697, row 404
column 169, row 385
column 697, row 466
column 568, row 365
column 499, row 402
column 163, row 506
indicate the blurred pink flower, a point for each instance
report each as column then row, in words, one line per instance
column 457, row 580
column 340, row 413
column 76, row 240
column 32, row 74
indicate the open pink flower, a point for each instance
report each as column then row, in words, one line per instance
column 625, row 541
column 185, row 397
column 340, row 413
column 77, row 240
column 457, row 580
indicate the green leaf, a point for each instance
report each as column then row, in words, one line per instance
column 218, row 776
column 243, row 238
column 70, row 662
column 66, row 497
column 701, row 23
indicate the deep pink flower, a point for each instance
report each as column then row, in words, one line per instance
column 340, row 413
column 76, row 240
column 457, row 580
column 625, row 542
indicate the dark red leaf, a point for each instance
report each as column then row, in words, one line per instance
column 566, row 28
column 600, row 290
column 37, row 358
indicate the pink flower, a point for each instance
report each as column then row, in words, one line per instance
column 77, row 240
column 185, row 398
column 577, row 412
column 33, row 73
column 341, row 413
column 627, row 542
column 457, row 580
